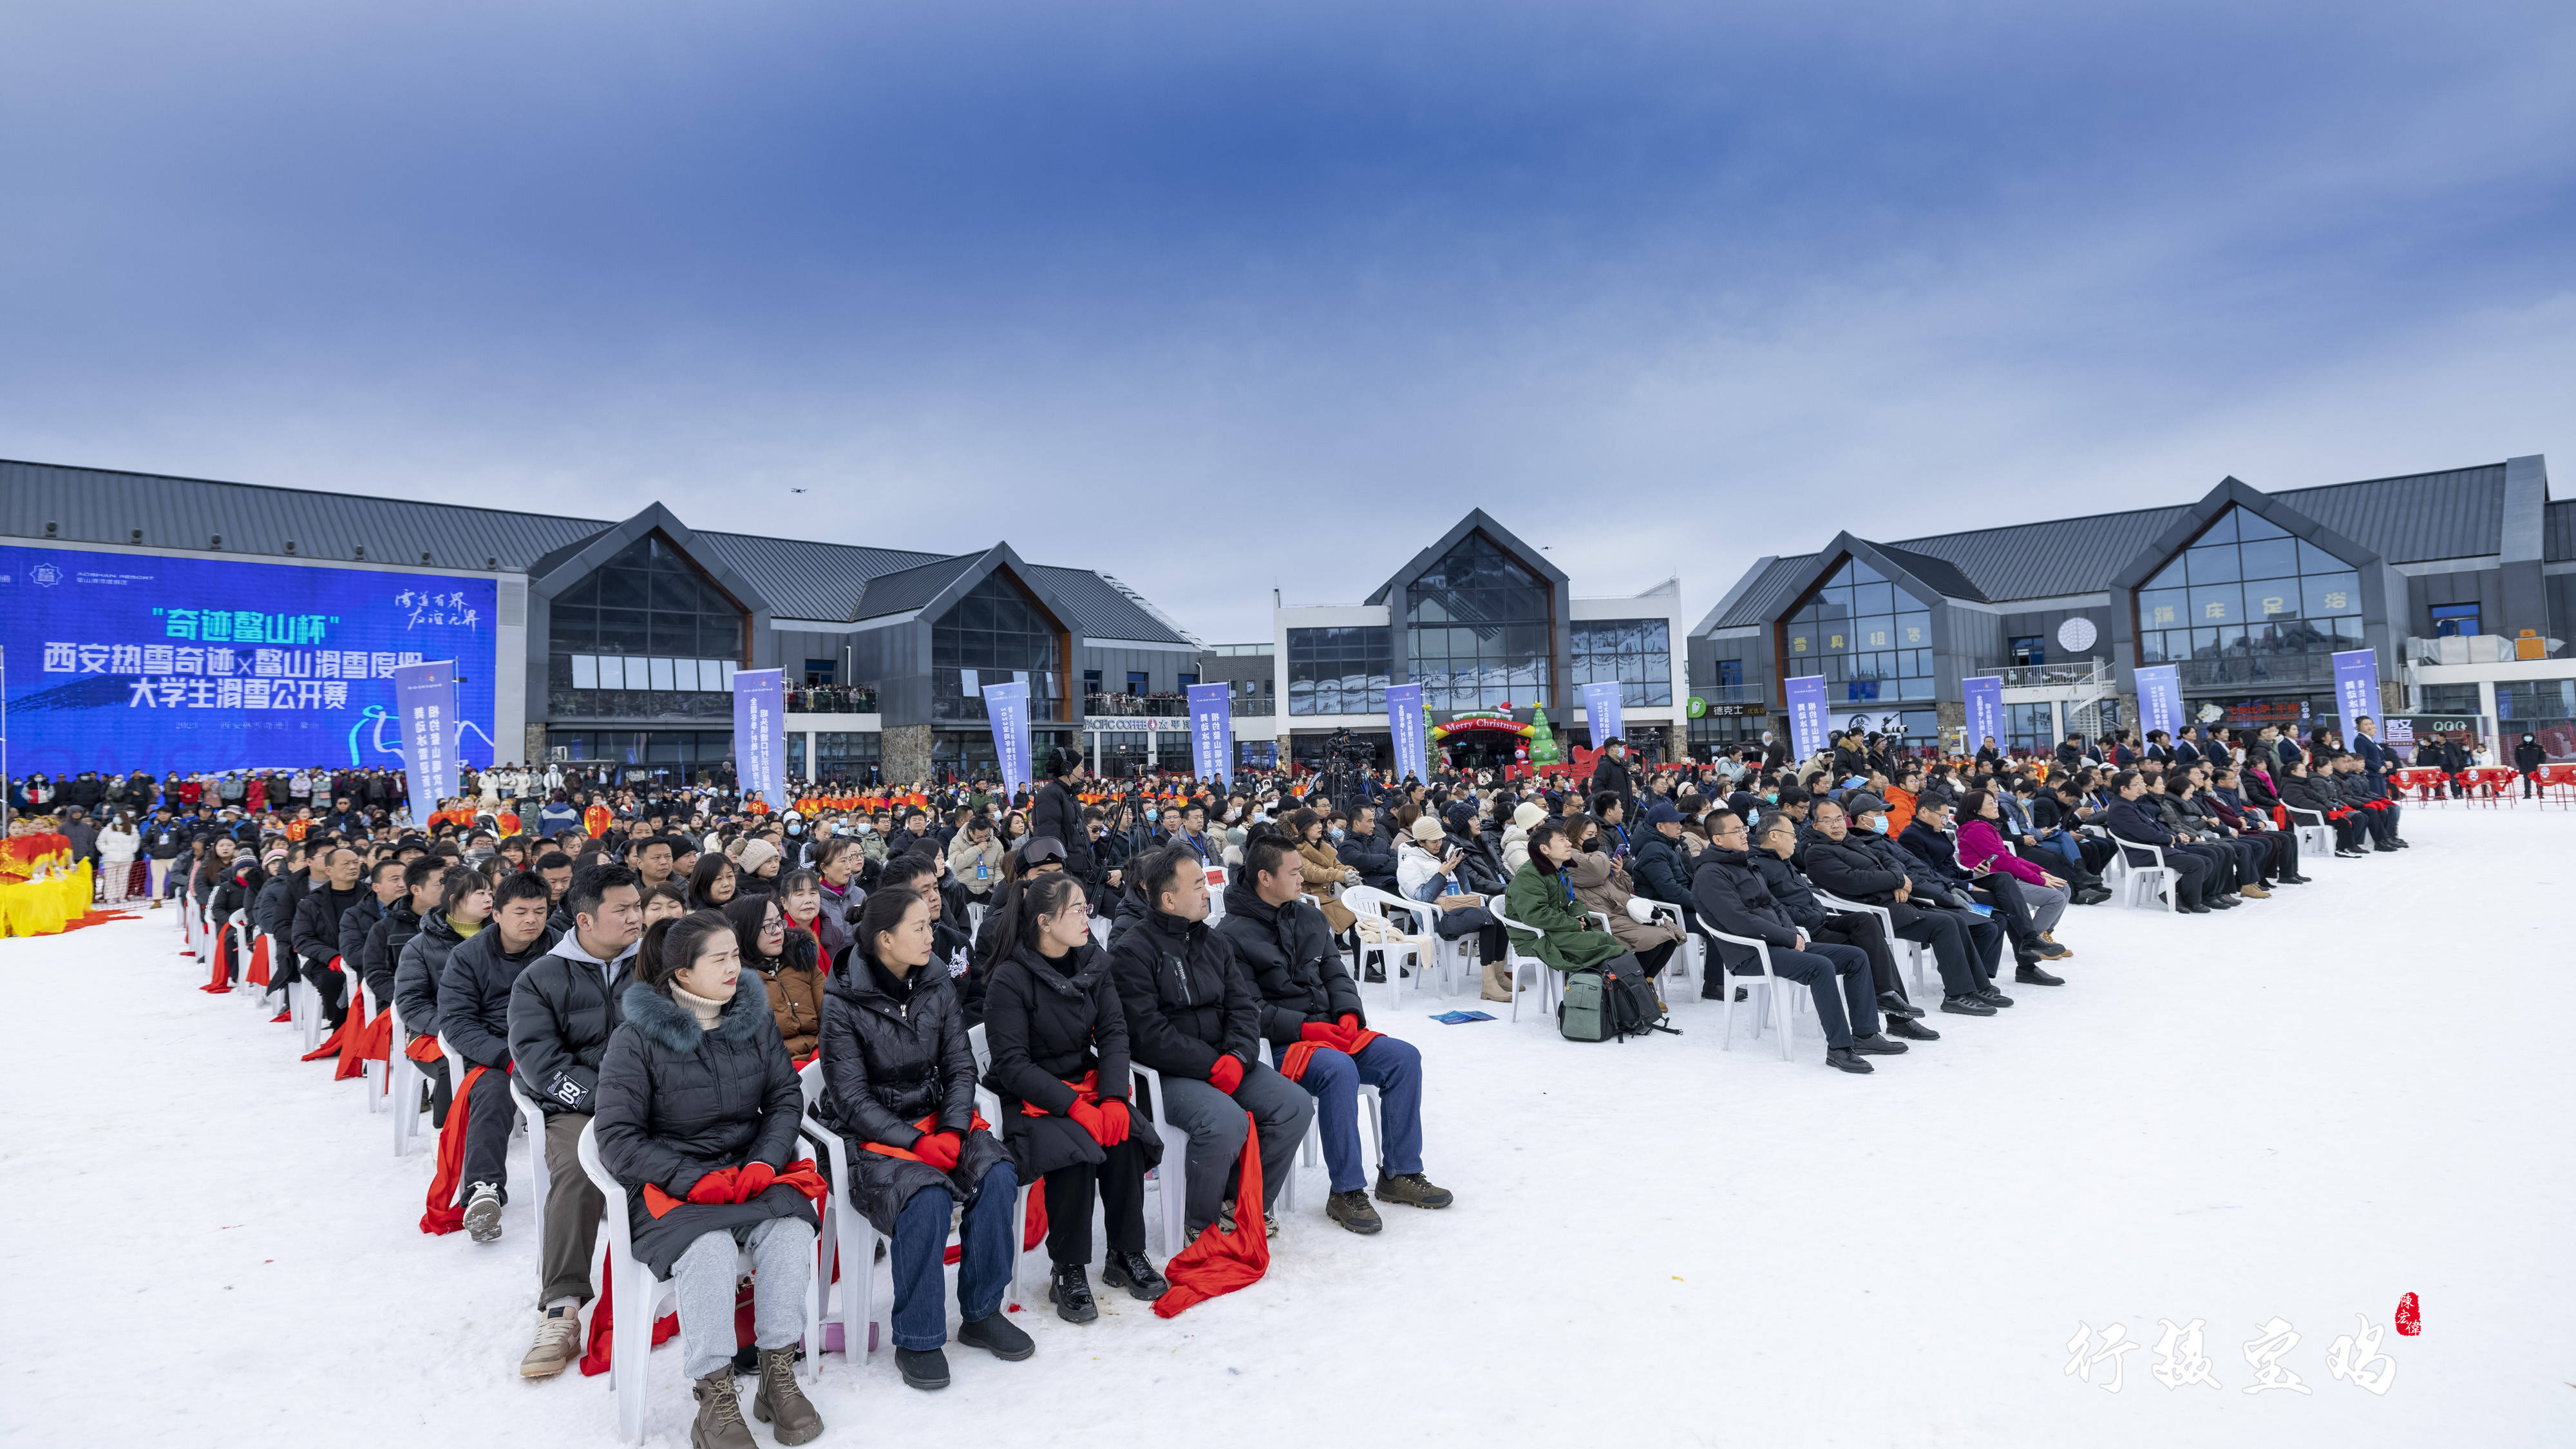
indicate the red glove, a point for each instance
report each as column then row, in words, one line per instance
column 716, row 1186
column 1350, row 1022
column 752, row 1179
column 1324, row 1033
column 1227, row 1074
column 1088, row 1115
column 939, row 1149
column 1113, row 1123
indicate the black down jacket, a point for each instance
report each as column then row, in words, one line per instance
column 382, row 953
column 1295, row 968
column 677, row 1100
column 418, row 971
column 355, row 923
column 1058, row 817
column 1732, row 897
column 1789, row 889
column 563, row 1010
column 1662, row 872
column 1187, row 998
column 474, row 994
column 1046, row 1024
column 317, row 922
column 895, row 1052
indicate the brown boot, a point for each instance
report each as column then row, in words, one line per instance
column 719, row 1423
column 780, row 1401
column 2256, row 892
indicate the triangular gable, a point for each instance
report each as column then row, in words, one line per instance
column 1476, row 521
column 2233, row 492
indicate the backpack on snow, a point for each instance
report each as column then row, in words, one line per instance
column 1608, row 1004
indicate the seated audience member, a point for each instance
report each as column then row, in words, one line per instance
column 2135, row 819
column 2368, row 792
column 1981, row 852
column 461, row 904
column 1286, row 948
column 1058, row 1043
column 696, row 1113
column 563, row 1009
column 899, row 1084
column 1936, row 861
column 1363, row 849
column 474, row 1015
column 2189, row 791
column 384, row 878
column 1193, row 1016
column 2226, row 798
column 2300, row 792
column 1542, row 897
column 380, row 958
column 317, row 928
column 785, row 964
column 1870, row 870
column 1427, row 869
column 1732, row 898
column 1599, row 883
column 2231, row 871
column 1662, row 871
column 1775, row 850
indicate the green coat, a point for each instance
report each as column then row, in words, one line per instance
column 1574, row 941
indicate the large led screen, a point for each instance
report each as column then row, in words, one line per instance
column 134, row 661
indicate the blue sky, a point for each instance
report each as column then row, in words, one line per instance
column 1224, row 298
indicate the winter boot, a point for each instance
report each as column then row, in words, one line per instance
column 780, row 1402
column 998, row 1336
column 1351, row 1209
column 483, row 1212
column 1135, row 1273
column 923, row 1368
column 1070, row 1292
column 719, row 1423
column 1412, row 1189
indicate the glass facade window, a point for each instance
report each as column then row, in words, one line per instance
column 635, row 639
column 1637, row 653
column 1339, row 671
column 664, row 754
column 2030, row 649
column 2454, row 619
column 1476, row 629
column 1872, row 642
column 994, row 634
column 2248, row 603
column 2028, row 727
column 846, row 756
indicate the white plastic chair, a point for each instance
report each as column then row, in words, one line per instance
column 1915, row 950
column 1774, row 1002
column 1170, row 1177
column 533, row 1118
column 1689, row 960
column 1515, row 961
column 1100, row 931
column 639, row 1296
column 851, row 1240
column 2316, row 837
column 2141, row 885
column 402, row 1089
column 1392, row 957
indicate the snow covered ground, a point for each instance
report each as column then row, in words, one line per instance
column 2301, row 1110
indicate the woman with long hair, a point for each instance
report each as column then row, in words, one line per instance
column 1059, row 1048
column 785, row 962
column 714, row 883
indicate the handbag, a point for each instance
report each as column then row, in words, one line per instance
column 1640, row 912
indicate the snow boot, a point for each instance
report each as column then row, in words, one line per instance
column 998, row 1336
column 1070, row 1292
column 1412, row 1189
column 778, row 1400
column 719, row 1422
column 923, row 1368
column 1135, row 1273
column 1351, row 1209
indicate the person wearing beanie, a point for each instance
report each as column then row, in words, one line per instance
column 758, row 866
column 1525, row 818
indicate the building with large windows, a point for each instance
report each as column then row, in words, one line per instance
column 576, row 639
column 2464, row 581
column 1487, row 626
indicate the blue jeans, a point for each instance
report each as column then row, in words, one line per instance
column 1332, row 1078
column 983, row 1267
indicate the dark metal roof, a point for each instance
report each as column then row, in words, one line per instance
column 2050, row 559
column 804, row 579
column 2559, row 532
column 1942, row 575
column 104, row 505
column 913, row 587
column 1770, row 594
column 1100, row 609
column 2419, row 516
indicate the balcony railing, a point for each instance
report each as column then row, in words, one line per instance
column 1135, row 704
column 832, row 699
column 1732, row 693
column 1255, row 706
column 2249, row 669
column 2064, row 674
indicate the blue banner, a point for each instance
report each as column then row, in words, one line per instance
column 126, row 660
column 1807, row 726
column 1409, row 730
column 760, row 735
column 1985, row 698
column 1212, row 731
column 425, row 702
column 1601, row 713
column 1007, row 705
column 2356, row 676
column 2159, row 700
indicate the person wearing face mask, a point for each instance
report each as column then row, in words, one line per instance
column 1864, row 866
column 1732, row 896
column 2528, row 757
column 899, row 1084
column 1059, row 1064
column 697, row 1111
column 1541, row 896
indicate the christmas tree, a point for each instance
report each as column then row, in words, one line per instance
column 1542, row 744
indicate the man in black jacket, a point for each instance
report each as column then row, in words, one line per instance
column 2133, row 818
column 474, row 1016
column 381, row 953
column 1610, row 772
column 1927, row 841
column 1058, row 815
column 563, row 1009
column 1968, row 949
column 1774, row 853
column 1660, row 870
column 384, row 888
column 1732, row 898
column 1305, row 995
column 1192, row 1016
column 317, row 929
column 1363, row 850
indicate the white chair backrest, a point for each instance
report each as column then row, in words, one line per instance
column 809, row 1080
column 975, row 1043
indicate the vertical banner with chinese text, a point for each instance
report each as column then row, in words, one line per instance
column 760, row 735
column 425, row 702
column 1212, row 732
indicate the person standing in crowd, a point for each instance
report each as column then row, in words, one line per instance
column 899, row 1085
column 164, row 841
column 1058, row 814
column 696, row 1115
column 1058, row 1043
column 117, row 846
column 1193, row 1017
column 1306, row 996
column 2528, row 757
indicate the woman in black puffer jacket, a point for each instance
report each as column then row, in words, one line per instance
column 898, row 1074
column 694, row 1090
column 1053, row 1021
